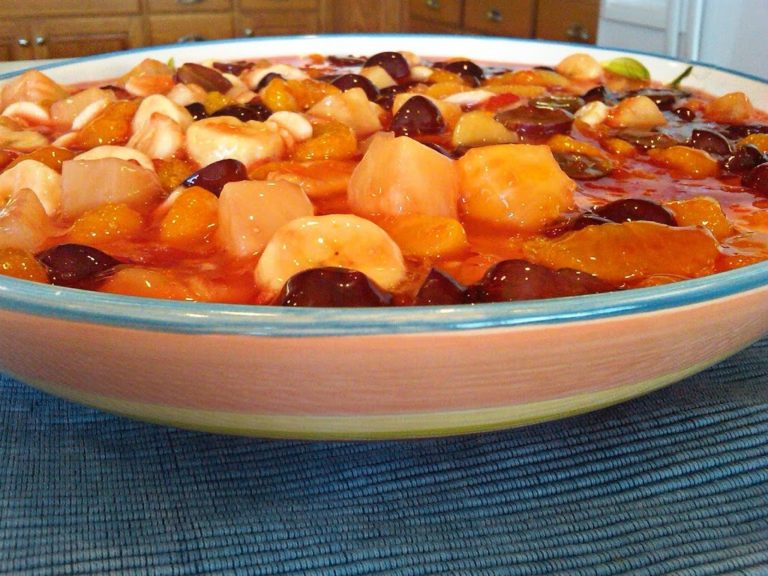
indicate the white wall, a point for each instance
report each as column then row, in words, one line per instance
column 728, row 33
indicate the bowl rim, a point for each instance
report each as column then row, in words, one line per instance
column 21, row 296
column 186, row 317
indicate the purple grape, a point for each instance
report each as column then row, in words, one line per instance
column 73, row 264
column 256, row 111
column 664, row 98
column 235, row 68
column 685, row 114
column 331, row 287
column 417, row 116
column 710, row 141
column 197, row 110
column 266, row 79
column 512, row 280
column 647, row 140
column 345, row 61
column 467, row 69
column 216, row 175
column 349, row 81
column 208, row 79
column 633, row 209
column 387, row 95
column 439, row 289
column 582, row 166
column 745, row 158
column 757, row 179
column 393, row 62
column 535, row 125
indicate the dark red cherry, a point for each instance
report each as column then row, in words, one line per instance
column 393, row 62
column 73, row 264
column 216, row 175
column 417, row 116
column 331, row 287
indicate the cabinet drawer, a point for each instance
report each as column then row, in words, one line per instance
column 436, row 11
column 35, row 8
column 568, row 20
column 500, row 17
column 278, row 4
column 177, row 6
column 275, row 22
column 171, row 28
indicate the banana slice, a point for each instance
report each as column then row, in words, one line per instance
column 121, row 152
column 36, row 176
column 159, row 104
column 221, row 137
column 341, row 240
column 159, row 137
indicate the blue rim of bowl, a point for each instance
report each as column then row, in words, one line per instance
column 258, row 320
column 275, row 321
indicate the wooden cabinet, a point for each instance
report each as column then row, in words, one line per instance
column 435, row 15
column 53, row 29
column 46, row 29
column 500, row 17
column 274, row 17
column 172, row 21
column 568, row 20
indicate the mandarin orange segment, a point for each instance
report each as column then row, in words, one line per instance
column 147, row 283
column 111, row 127
column 731, row 108
column 215, row 101
column 51, row 156
column 307, row 93
column 759, row 140
column 331, row 140
column 686, row 161
column 172, row 172
column 427, row 236
column 106, row 223
column 276, row 96
column 21, row 264
column 317, row 179
column 629, row 252
column 702, row 211
column 191, row 219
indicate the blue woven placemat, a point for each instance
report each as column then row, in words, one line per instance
column 672, row 483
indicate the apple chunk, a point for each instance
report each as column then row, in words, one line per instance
column 402, row 176
column 517, row 186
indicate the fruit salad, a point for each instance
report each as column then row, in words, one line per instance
column 389, row 179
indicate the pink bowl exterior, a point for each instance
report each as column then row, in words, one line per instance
column 377, row 385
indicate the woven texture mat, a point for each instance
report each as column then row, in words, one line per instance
column 675, row 482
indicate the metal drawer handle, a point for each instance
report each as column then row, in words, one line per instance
column 493, row 15
column 190, row 38
column 577, row 33
column 189, row 2
column 433, row 4
column 40, row 40
column 23, row 42
column 249, row 32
